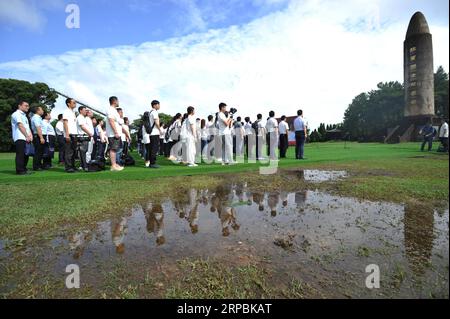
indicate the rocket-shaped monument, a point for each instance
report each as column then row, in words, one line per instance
column 418, row 70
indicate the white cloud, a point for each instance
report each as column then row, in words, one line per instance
column 303, row 57
column 27, row 13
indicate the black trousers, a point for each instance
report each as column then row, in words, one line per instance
column 61, row 147
column 21, row 158
column 38, row 152
column 161, row 146
column 70, row 149
column 284, row 144
column 154, row 147
column 83, row 148
column 49, row 151
column 299, row 144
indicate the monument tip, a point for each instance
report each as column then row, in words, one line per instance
column 417, row 25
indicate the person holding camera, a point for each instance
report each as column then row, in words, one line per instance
column 113, row 131
column 84, row 136
column 224, row 123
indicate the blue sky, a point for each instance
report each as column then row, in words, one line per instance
column 106, row 23
column 256, row 55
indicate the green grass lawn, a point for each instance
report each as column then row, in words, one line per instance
column 46, row 200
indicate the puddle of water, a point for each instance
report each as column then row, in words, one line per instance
column 298, row 230
column 318, row 176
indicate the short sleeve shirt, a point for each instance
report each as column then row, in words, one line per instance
column 69, row 115
column 114, row 115
column 16, row 118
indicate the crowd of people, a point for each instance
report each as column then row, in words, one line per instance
column 221, row 138
column 186, row 139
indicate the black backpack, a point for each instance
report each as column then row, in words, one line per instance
column 128, row 160
column 255, row 126
column 96, row 166
column 146, row 121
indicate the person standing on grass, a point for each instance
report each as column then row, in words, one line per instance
column 123, row 138
column 443, row 134
column 50, row 140
column 161, row 139
column 113, row 132
column 300, row 135
column 101, row 140
column 22, row 135
column 70, row 135
column 203, row 136
column 174, row 137
column 84, row 136
column 225, row 123
column 191, row 137
column 210, row 128
column 155, row 133
column 59, row 128
column 249, row 138
column 283, row 129
column 259, row 131
column 90, row 125
column 126, row 137
column 38, row 138
column 272, row 135
column 428, row 133
column 239, row 139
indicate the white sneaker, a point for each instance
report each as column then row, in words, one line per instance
column 147, row 164
column 116, row 169
column 192, row 165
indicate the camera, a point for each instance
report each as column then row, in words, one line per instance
column 231, row 113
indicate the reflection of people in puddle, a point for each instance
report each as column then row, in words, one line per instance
column 272, row 201
column 77, row 243
column 258, row 199
column 118, row 232
column 300, row 198
column 228, row 219
column 284, row 198
column 154, row 216
column 419, row 236
column 227, row 214
column 192, row 210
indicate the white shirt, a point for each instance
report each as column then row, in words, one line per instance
column 124, row 135
column 299, row 124
column 223, row 127
column 81, row 121
column 210, row 128
column 69, row 115
column 248, row 128
column 163, row 133
column 271, row 125
column 60, row 128
column 114, row 115
column 154, row 115
column 283, row 127
column 48, row 128
column 190, row 121
column 443, row 131
column 16, row 118
column 260, row 128
column 121, row 133
column 90, row 125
